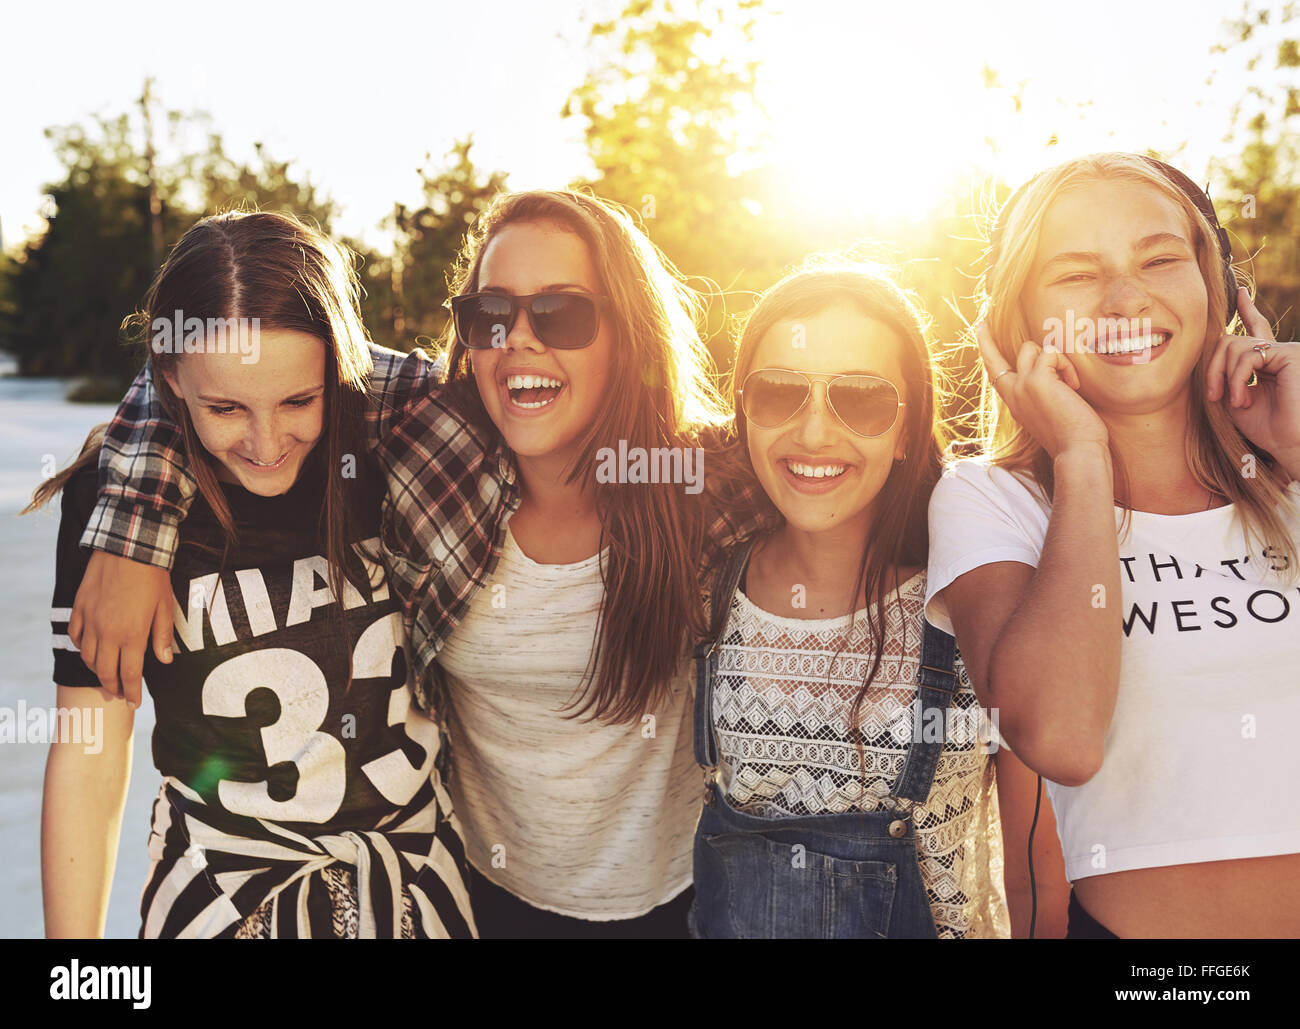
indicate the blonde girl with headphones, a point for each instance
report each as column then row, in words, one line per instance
column 1120, row 567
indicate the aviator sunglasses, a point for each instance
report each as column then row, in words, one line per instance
column 565, row 321
column 865, row 404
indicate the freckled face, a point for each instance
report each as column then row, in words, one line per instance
column 819, row 473
column 260, row 419
column 1122, row 255
column 542, row 399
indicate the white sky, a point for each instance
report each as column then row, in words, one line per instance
column 885, row 95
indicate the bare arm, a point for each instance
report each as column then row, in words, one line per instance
column 121, row 604
column 1043, row 645
column 1017, row 798
column 81, row 818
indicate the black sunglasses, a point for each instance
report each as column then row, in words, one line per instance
column 565, row 321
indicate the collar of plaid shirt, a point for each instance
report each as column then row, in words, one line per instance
column 452, row 490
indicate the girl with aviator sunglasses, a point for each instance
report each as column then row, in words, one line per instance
column 548, row 616
column 849, row 792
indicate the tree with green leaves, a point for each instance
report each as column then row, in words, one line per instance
column 671, row 128
column 64, row 298
column 69, row 289
column 665, row 108
column 1259, row 199
column 428, row 239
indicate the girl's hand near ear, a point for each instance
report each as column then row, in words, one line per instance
column 1268, row 413
column 1042, row 394
column 119, row 602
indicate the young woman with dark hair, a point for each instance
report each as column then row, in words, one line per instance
column 849, row 792
column 300, row 793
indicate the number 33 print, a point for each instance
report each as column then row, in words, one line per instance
column 300, row 687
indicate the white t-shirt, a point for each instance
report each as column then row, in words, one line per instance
column 1200, row 761
column 573, row 816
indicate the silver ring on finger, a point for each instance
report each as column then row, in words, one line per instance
column 1262, row 349
column 1005, row 371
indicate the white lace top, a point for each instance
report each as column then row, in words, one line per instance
column 781, row 704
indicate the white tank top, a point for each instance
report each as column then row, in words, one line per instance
column 577, row 817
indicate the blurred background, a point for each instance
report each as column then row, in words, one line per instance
column 744, row 134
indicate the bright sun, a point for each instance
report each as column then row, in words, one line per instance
column 858, row 128
column 885, row 111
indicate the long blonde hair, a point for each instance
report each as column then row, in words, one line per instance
column 1217, row 452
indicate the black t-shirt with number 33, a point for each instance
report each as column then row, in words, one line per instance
column 255, row 712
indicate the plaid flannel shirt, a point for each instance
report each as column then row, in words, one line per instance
column 451, row 489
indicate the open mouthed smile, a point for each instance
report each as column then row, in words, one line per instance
column 531, row 393
column 813, row 476
column 1132, row 349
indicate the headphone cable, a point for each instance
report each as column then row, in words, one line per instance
column 1033, row 886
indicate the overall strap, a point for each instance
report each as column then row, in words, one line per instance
column 725, row 581
column 936, row 686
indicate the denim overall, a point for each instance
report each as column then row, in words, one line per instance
column 838, row 876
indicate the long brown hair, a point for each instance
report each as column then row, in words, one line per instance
column 1216, row 449
column 661, row 395
column 899, row 533
column 272, row 267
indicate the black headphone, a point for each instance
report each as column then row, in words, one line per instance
column 1199, row 197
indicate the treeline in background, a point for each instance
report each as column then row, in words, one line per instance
column 664, row 131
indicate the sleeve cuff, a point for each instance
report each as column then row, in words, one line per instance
column 124, row 531
column 939, row 578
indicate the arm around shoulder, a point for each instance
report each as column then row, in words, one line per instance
column 397, row 383
column 145, row 482
column 115, row 602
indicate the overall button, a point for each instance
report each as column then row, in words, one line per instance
column 898, row 828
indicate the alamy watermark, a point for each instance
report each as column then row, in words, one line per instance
column 84, row 725
column 181, row 335
column 956, row 727
column 75, row 981
column 683, row 465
